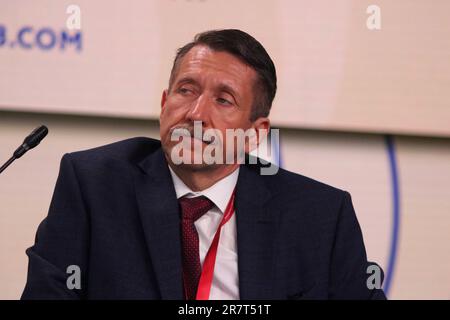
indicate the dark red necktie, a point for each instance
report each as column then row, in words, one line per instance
column 191, row 210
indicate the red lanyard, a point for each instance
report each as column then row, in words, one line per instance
column 204, row 285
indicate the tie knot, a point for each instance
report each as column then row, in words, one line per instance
column 194, row 208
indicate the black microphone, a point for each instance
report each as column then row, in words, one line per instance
column 30, row 142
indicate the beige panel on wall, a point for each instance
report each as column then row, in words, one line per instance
column 334, row 73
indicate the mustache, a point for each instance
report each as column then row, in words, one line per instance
column 182, row 129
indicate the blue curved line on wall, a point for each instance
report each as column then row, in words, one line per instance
column 389, row 140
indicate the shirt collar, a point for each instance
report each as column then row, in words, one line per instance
column 219, row 193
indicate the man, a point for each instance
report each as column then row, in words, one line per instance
column 131, row 221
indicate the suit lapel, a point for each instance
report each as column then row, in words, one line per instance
column 256, row 234
column 256, row 229
column 159, row 212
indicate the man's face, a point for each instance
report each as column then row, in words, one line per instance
column 213, row 87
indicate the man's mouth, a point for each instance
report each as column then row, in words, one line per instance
column 190, row 134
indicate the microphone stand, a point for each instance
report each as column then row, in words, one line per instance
column 31, row 141
column 7, row 163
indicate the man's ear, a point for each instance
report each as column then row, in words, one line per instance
column 163, row 98
column 262, row 123
column 261, row 127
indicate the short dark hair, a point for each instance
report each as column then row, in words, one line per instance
column 248, row 50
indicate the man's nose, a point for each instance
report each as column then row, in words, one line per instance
column 199, row 110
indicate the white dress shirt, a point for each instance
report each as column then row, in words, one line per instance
column 225, row 285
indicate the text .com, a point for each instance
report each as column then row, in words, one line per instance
column 41, row 38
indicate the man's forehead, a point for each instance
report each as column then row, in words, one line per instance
column 202, row 58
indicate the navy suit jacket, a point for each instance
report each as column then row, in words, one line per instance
column 114, row 213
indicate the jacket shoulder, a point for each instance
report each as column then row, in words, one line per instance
column 132, row 150
column 286, row 183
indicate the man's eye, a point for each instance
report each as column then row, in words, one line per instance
column 183, row 90
column 224, row 101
